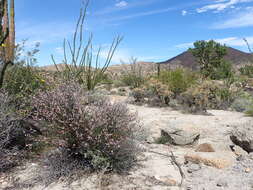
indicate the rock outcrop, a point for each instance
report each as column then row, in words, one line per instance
column 242, row 135
column 179, row 137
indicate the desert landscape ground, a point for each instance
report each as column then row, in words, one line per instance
column 213, row 162
column 89, row 120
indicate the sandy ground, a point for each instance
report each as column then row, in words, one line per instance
column 156, row 169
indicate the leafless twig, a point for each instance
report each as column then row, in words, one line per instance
column 247, row 43
column 174, row 162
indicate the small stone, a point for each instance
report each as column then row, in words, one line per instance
column 167, row 181
column 222, row 183
column 212, row 159
column 238, row 150
column 179, row 137
column 205, row 148
column 193, row 168
column 170, row 182
column 251, row 155
column 242, row 136
column 247, row 170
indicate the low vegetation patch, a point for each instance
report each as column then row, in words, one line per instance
column 178, row 80
column 247, row 70
column 208, row 95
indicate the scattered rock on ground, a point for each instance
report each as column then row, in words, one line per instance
column 193, row 168
column 179, row 137
column 205, row 147
column 242, row 135
column 218, row 160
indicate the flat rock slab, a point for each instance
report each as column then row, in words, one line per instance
column 218, row 160
column 179, row 137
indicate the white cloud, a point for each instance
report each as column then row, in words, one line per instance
column 141, row 14
column 121, row 4
column 184, row 12
column 241, row 20
column 220, row 5
column 59, row 50
column 230, row 41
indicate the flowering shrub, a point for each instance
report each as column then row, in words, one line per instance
column 90, row 127
column 12, row 135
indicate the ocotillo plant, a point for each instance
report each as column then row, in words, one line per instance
column 7, row 36
column 79, row 60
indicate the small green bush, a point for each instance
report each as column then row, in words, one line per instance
column 22, row 81
column 134, row 76
column 178, row 80
column 242, row 102
column 132, row 80
column 247, row 70
column 250, row 111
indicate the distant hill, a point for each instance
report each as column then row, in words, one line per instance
column 52, row 68
column 145, row 67
column 186, row 59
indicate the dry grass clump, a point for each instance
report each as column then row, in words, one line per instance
column 154, row 93
column 207, row 95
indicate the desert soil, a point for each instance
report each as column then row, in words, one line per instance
column 213, row 166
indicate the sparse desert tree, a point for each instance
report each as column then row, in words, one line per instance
column 7, row 36
column 210, row 56
column 80, row 62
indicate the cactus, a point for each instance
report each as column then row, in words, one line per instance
column 12, row 31
column 7, row 36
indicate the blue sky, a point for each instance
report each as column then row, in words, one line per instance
column 153, row 30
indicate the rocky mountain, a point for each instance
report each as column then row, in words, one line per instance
column 186, row 59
